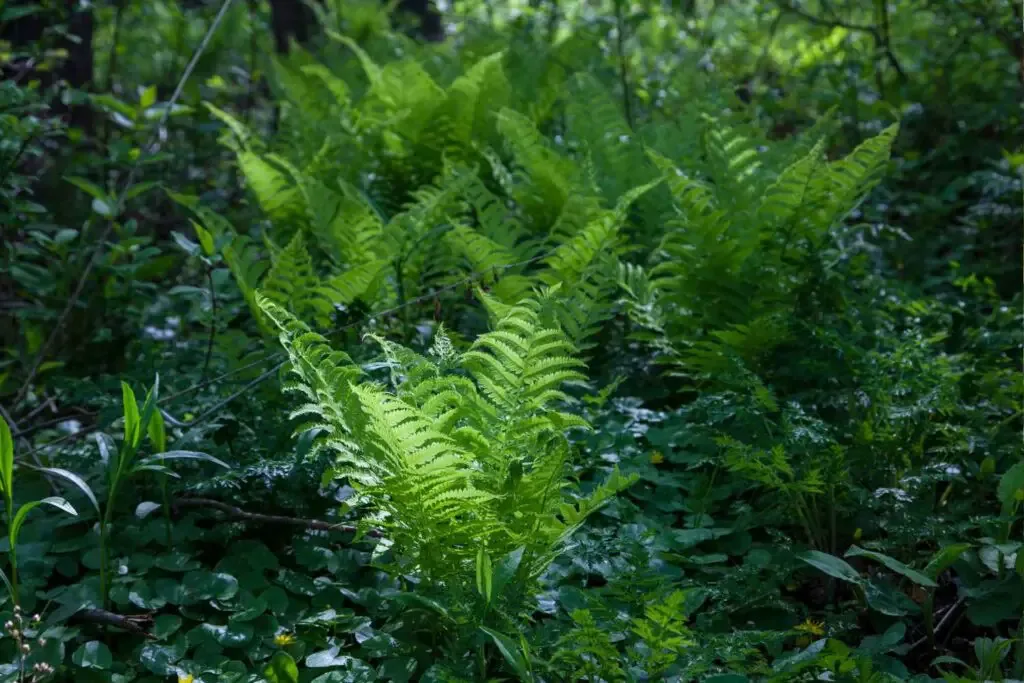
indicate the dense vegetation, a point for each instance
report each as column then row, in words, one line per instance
column 590, row 341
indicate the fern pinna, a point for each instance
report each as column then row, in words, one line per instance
column 459, row 455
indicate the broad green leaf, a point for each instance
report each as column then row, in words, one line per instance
column 1011, row 485
column 512, row 653
column 6, row 460
column 92, row 189
column 148, row 97
column 109, row 101
column 18, row 11
column 326, row 658
column 139, row 189
column 945, row 558
column 231, row 635
column 205, row 238
column 104, row 207
column 881, row 596
column 131, row 415
column 506, row 569
column 19, row 518
column 165, row 625
column 893, row 564
column 831, row 565
column 160, row 657
column 282, row 669
column 92, row 655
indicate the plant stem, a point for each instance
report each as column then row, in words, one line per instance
column 213, row 322
column 620, row 42
column 115, row 41
column 9, row 506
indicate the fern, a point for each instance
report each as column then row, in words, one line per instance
column 716, row 309
column 462, row 450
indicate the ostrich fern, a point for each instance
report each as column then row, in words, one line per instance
column 460, row 453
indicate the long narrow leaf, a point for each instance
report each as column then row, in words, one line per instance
column 131, row 415
column 19, row 518
column 148, row 408
column 6, row 459
column 184, row 455
column 893, row 564
column 73, row 479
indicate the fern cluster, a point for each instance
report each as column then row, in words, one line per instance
column 457, row 454
column 745, row 242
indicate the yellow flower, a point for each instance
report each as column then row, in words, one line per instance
column 185, row 678
column 282, row 639
column 811, row 627
column 657, row 458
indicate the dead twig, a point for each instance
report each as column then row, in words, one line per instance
column 139, row 624
column 243, row 515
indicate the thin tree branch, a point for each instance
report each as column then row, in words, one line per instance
column 139, row 624
column 834, row 22
column 942, row 622
column 119, row 206
column 243, row 515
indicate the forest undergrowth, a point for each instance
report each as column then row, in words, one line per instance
column 592, row 342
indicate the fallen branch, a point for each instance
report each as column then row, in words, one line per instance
column 139, row 624
column 942, row 622
column 243, row 515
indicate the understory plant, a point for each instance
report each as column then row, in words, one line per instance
column 458, row 459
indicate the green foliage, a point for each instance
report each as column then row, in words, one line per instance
column 465, row 451
column 632, row 342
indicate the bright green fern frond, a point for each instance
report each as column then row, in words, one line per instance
column 846, row 181
column 293, row 284
column 786, row 198
column 360, row 282
column 278, row 194
column 248, row 265
column 734, row 163
column 545, row 180
column 473, row 98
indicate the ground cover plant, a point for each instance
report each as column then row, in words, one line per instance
column 548, row 341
